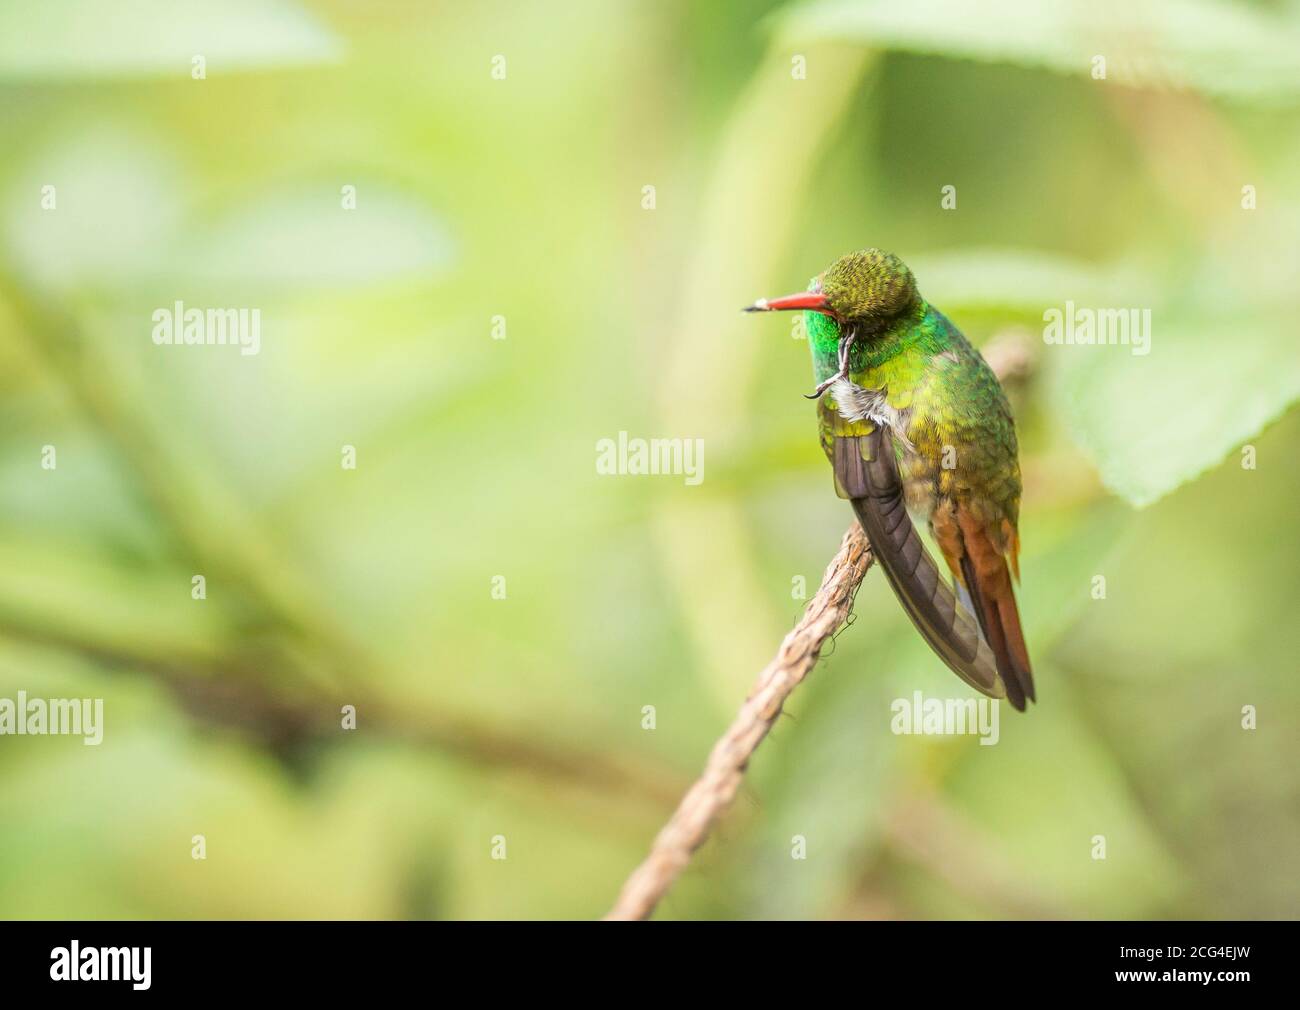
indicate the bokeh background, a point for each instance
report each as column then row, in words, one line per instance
column 776, row 137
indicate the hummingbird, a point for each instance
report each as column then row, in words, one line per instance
column 912, row 419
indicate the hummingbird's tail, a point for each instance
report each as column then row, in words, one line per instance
column 986, row 585
column 868, row 472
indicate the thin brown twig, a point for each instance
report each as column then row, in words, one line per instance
column 713, row 791
column 1010, row 357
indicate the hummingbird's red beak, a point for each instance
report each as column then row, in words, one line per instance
column 813, row 301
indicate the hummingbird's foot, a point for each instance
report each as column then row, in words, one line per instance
column 816, row 394
column 846, row 345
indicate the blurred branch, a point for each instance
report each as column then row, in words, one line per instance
column 827, row 612
column 282, row 683
column 230, row 691
column 1010, row 353
column 207, row 525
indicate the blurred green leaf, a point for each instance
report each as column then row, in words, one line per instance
column 304, row 236
column 117, row 198
column 1236, row 50
column 1014, row 279
column 69, row 38
column 1151, row 422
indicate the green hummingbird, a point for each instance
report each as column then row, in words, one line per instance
column 912, row 418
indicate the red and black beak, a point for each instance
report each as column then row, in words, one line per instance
column 813, row 301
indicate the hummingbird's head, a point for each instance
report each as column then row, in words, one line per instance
column 863, row 290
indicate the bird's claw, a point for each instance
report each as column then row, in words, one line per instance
column 846, row 345
column 821, row 388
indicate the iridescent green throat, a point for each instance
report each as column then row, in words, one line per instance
column 922, row 329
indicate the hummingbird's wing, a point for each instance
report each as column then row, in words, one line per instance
column 867, row 471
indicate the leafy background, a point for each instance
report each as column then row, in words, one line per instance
column 522, row 198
